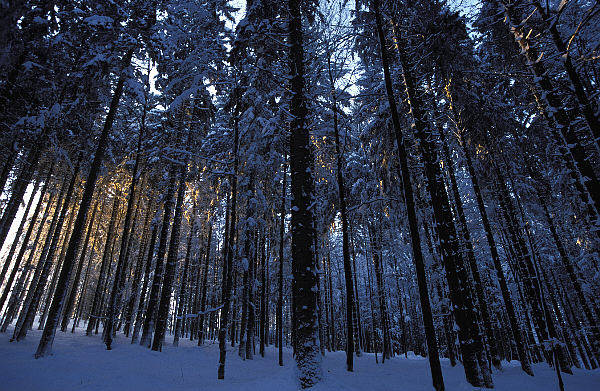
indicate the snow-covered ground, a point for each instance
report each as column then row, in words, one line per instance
column 82, row 363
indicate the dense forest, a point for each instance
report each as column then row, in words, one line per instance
column 379, row 177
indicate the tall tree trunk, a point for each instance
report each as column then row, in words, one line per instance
column 204, row 287
column 95, row 314
column 20, row 186
column 181, row 316
column 251, row 256
column 47, row 263
column 304, row 269
column 589, row 311
column 40, row 262
column 148, row 267
column 73, row 291
column 569, row 143
column 482, row 301
column 228, row 258
column 14, row 301
column 132, row 304
column 476, row 368
column 16, row 240
column 508, row 303
column 375, row 235
column 17, row 236
column 585, row 106
column 45, row 345
column 84, row 288
column 279, row 316
column 434, row 363
column 345, row 239
column 146, row 338
column 122, row 263
column 263, row 299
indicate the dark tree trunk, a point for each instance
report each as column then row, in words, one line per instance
column 250, row 321
column 588, row 311
column 16, row 239
column 204, row 288
column 585, row 106
column 304, row 269
column 472, row 349
column 14, row 301
column 279, row 316
column 263, row 300
column 132, row 304
column 181, row 316
column 6, row 169
column 122, row 263
column 47, row 263
column 345, row 239
column 569, row 143
column 45, row 345
column 482, row 301
column 40, row 263
column 228, row 258
column 434, row 363
column 13, row 247
column 73, row 291
column 84, row 289
column 20, row 186
column 375, row 236
column 146, row 338
column 148, row 267
column 508, row 303
column 95, row 313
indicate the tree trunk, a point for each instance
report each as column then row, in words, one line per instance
column 508, row 303
column 20, row 186
column 16, row 240
column 434, row 363
column 568, row 142
column 122, row 263
column 159, row 269
column 181, row 316
column 95, row 313
column 45, row 345
column 279, row 317
column 304, row 269
column 228, row 258
column 132, row 304
column 148, row 267
column 204, row 288
column 73, row 291
column 47, row 263
column 14, row 301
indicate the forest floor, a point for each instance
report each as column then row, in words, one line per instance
column 82, row 363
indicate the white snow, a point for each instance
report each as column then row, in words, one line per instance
column 82, row 363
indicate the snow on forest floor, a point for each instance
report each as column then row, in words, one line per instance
column 82, row 363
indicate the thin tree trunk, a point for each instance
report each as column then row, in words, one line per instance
column 181, row 316
column 146, row 338
column 508, row 303
column 14, row 301
column 228, row 258
column 132, row 305
column 45, row 345
column 95, row 314
column 73, row 291
column 47, row 263
column 279, row 317
column 140, row 311
column 434, row 363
